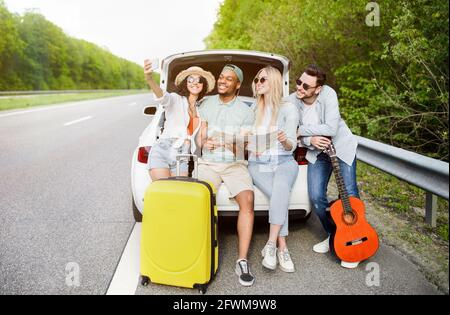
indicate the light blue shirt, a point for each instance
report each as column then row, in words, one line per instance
column 229, row 118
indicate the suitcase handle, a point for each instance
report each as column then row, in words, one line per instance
column 188, row 156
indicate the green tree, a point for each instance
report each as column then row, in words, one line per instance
column 11, row 47
column 35, row 54
column 392, row 79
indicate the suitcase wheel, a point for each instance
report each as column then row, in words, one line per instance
column 201, row 288
column 145, row 281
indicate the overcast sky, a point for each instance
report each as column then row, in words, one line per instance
column 132, row 29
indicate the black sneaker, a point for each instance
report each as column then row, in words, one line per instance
column 243, row 271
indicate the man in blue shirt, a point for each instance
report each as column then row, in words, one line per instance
column 225, row 114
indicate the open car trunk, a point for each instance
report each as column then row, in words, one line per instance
column 215, row 60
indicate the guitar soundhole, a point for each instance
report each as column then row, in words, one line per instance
column 349, row 218
column 357, row 242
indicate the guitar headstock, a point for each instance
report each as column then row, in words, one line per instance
column 330, row 150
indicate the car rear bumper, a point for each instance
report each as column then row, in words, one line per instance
column 140, row 180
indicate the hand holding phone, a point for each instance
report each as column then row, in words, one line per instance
column 150, row 66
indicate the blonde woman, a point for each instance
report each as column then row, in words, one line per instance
column 274, row 171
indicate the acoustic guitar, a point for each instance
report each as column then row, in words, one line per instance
column 355, row 239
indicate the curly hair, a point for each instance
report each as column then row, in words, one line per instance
column 182, row 88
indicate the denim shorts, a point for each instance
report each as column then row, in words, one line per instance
column 163, row 155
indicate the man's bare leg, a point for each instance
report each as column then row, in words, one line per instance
column 245, row 199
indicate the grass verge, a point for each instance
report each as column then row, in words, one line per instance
column 27, row 101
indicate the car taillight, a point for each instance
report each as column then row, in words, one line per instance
column 143, row 154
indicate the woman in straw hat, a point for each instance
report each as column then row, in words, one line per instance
column 182, row 119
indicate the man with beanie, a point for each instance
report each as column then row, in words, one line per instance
column 225, row 114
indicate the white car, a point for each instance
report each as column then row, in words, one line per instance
column 214, row 60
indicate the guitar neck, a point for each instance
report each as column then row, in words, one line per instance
column 341, row 184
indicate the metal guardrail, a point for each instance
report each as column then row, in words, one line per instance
column 426, row 173
column 12, row 93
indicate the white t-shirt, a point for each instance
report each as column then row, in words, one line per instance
column 267, row 117
column 265, row 127
column 310, row 115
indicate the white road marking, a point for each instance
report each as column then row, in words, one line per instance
column 51, row 107
column 126, row 278
column 22, row 112
column 77, row 121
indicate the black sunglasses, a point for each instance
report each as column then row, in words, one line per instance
column 305, row 85
column 262, row 80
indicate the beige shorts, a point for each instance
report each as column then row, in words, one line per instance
column 234, row 175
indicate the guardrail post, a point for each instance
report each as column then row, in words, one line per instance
column 431, row 209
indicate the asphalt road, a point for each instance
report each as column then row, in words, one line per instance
column 65, row 193
column 315, row 274
column 65, row 208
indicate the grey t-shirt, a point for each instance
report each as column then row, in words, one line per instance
column 310, row 115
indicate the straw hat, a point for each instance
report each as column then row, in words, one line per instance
column 198, row 71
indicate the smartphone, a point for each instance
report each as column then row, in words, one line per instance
column 155, row 64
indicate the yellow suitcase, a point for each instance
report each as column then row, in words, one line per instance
column 179, row 245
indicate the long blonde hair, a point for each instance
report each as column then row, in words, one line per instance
column 274, row 98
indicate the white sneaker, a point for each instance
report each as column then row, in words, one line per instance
column 322, row 247
column 269, row 252
column 349, row 265
column 285, row 261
